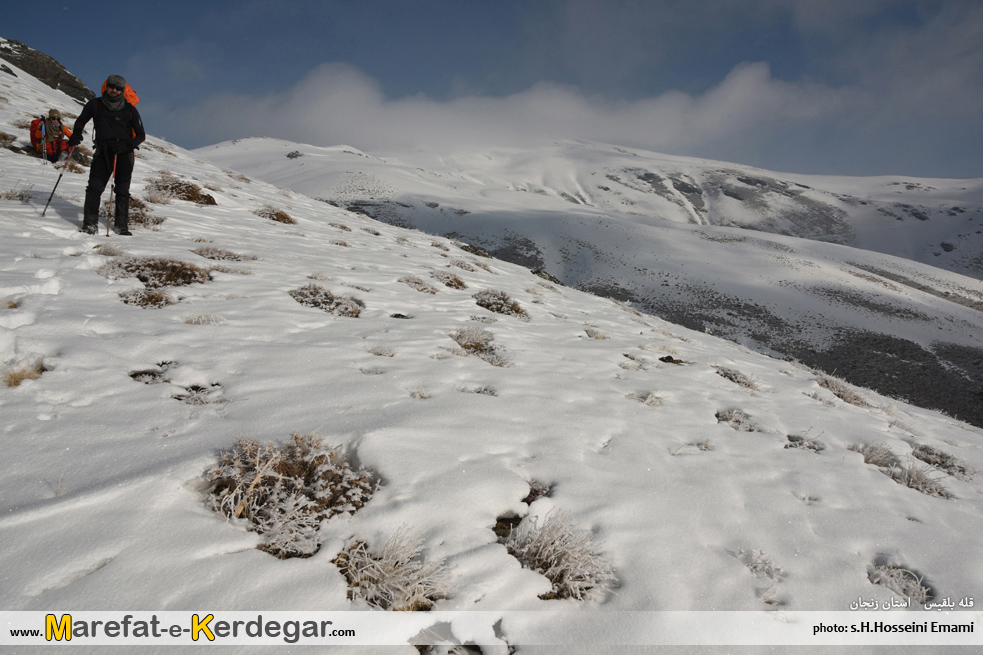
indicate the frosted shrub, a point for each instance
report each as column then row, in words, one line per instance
column 477, row 341
column 211, row 252
column 944, row 462
column 877, row 453
column 917, row 477
column 737, row 377
column 448, row 279
column 416, row 283
column 842, row 390
column 500, row 303
column 568, row 558
column 320, row 298
column 156, row 272
column 596, row 334
column 645, row 398
column 737, row 419
column 901, row 581
column 395, row 578
column 286, row 491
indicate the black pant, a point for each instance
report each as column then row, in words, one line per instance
column 103, row 161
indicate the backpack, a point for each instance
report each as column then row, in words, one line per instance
column 39, row 138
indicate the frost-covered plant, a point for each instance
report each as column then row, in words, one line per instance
column 274, row 214
column 147, row 298
column 901, row 581
column 448, row 279
column 569, row 559
column 473, row 339
column 396, row 577
column 318, row 297
column 737, row 419
column 196, row 394
column 760, row 564
column 596, row 334
column 917, row 477
column 341, row 226
column 109, row 250
column 646, row 398
column 537, row 490
column 500, row 303
column 286, row 491
column 383, row 350
column 485, row 390
column 943, row 461
column 737, row 377
column 416, row 283
column 156, row 272
column 876, row 453
column 204, row 319
column 211, row 252
column 168, row 186
column 842, row 390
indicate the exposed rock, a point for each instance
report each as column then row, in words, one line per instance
column 45, row 69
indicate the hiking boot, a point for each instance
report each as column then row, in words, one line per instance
column 122, row 231
column 89, row 229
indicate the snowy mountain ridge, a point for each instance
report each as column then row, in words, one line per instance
column 877, row 279
column 705, row 475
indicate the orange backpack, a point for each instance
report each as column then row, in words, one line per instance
column 128, row 93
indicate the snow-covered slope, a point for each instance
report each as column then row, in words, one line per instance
column 658, row 231
column 709, row 476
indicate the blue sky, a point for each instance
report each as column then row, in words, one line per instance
column 859, row 87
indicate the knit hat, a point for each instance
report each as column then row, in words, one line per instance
column 54, row 113
column 117, row 81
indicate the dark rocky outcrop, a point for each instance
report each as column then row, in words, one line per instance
column 44, row 68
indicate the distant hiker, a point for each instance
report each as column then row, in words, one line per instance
column 118, row 132
column 48, row 137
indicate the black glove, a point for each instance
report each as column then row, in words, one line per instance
column 74, row 140
column 119, row 147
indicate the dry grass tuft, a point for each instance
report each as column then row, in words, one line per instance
column 918, row 477
column 478, row 341
column 148, row 298
column 416, row 283
column 901, row 581
column 285, row 492
column 737, row 377
column 943, row 461
column 876, row 454
column 340, row 226
column 204, row 319
column 394, row 578
column 649, row 399
column 737, row 419
column 448, row 279
column 14, row 376
column 275, row 214
column 156, row 272
column 500, row 303
column 140, row 215
column 211, row 252
column 596, row 334
column 568, row 558
column 842, row 390
column 312, row 295
column 10, row 304
column 166, row 185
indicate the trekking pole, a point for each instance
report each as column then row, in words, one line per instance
column 112, row 187
column 59, row 180
column 44, row 149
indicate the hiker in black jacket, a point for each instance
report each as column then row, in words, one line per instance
column 118, row 132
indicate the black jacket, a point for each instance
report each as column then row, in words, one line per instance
column 124, row 125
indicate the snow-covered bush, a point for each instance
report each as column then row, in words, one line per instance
column 646, row 398
column 737, row 419
column 156, row 272
column 211, row 252
column 416, row 283
column 500, row 303
column 568, row 558
column 877, row 453
column 901, row 581
column 448, row 279
column 147, row 298
column 396, row 577
column 312, row 295
column 274, row 214
column 473, row 339
column 166, row 185
column 284, row 492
